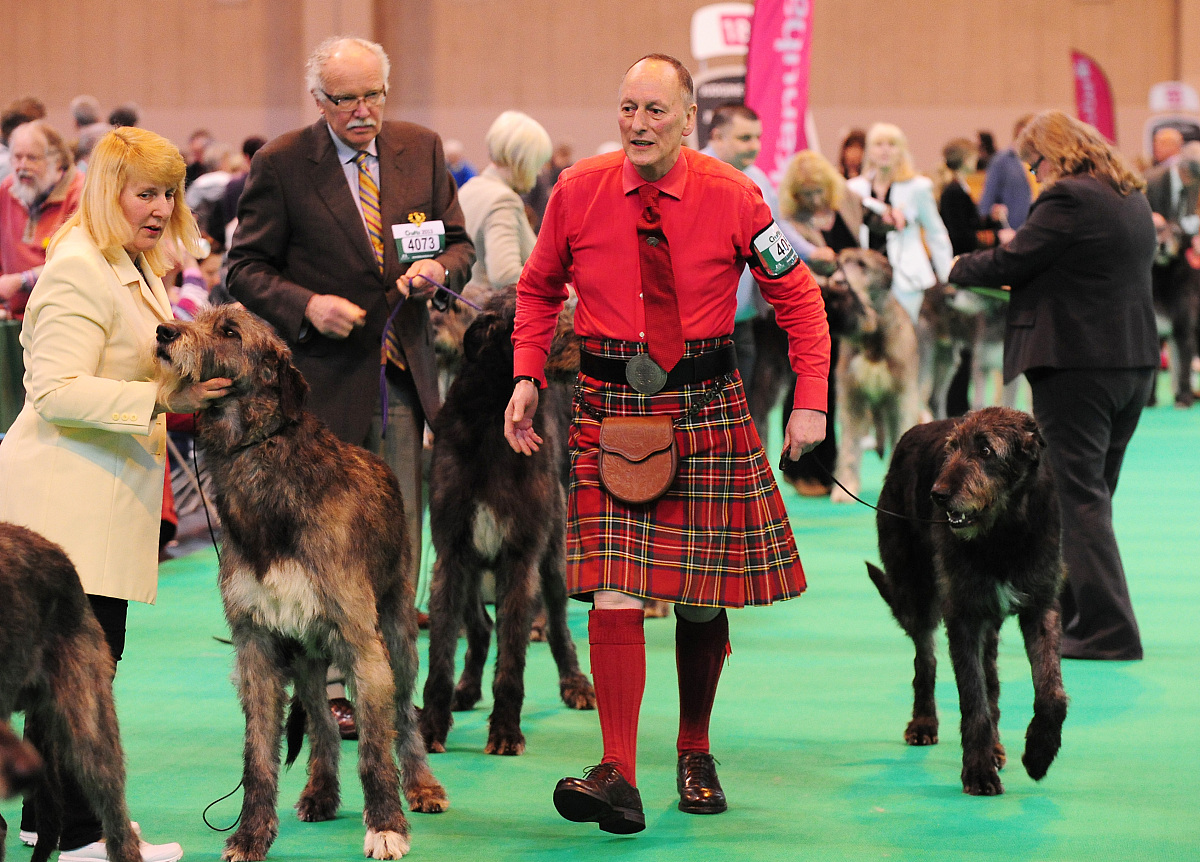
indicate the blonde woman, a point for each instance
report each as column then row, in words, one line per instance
column 908, row 217
column 518, row 147
column 1081, row 329
column 83, row 462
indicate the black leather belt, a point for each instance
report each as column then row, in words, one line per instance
column 689, row 370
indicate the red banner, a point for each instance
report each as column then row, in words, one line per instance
column 777, row 67
column 1093, row 95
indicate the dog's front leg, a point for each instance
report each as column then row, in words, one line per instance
column 966, row 638
column 1043, row 635
column 261, row 691
column 515, row 583
column 387, row 827
column 321, row 795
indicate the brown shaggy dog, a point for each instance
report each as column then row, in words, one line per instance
column 495, row 510
column 983, row 545
column 314, row 568
column 56, row 666
column 878, row 390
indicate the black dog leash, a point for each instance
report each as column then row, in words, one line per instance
column 784, row 460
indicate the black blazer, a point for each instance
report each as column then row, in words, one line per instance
column 960, row 217
column 1079, row 269
column 299, row 232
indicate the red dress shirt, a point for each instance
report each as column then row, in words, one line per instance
column 711, row 213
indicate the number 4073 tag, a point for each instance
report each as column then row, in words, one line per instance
column 417, row 242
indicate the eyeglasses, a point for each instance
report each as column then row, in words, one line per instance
column 373, row 99
column 1033, row 166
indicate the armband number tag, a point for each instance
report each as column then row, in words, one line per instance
column 774, row 253
column 419, row 241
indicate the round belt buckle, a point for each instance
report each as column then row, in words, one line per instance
column 645, row 375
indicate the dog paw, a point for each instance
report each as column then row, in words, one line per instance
column 999, row 756
column 577, row 692
column 508, row 744
column 316, row 808
column 427, row 798
column 981, row 782
column 243, row 847
column 840, row 495
column 385, row 845
column 465, row 698
column 1037, row 759
column 922, row 731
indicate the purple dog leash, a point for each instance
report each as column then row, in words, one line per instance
column 383, row 392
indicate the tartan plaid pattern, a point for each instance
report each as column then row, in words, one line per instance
column 719, row 537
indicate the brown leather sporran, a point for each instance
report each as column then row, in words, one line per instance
column 638, row 457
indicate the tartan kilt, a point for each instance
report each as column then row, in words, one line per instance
column 719, row 537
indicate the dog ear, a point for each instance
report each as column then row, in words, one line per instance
column 1032, row 441
column 480, row 335
column 292, row 387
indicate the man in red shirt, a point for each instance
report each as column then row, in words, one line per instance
column 719, row 537
column 41, row 193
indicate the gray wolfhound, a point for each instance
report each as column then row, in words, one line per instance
column 495, row 510
column 56, row 666
column 315, row 568
column 985, row 547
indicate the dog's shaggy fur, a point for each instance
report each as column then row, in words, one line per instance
column 56, row 666
column 315, row 567
column 877, row 374
column 985, row 546
column 495, row 510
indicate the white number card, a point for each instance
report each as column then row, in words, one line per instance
column 775, row 254
column 419, row 241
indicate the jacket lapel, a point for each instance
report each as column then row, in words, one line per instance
column 329, row 178
column 391, row 181
column 152, row 291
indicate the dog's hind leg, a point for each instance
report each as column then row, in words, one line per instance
column 322, row 793
column 398, row 622
column 923, row 728
column 478, row 626
column 574, row 688
column 968, row 639
column 375, row 704
column 447, row 599
column 81, row 723
column 516, row 583
column 260, row 685
column 1043, row 634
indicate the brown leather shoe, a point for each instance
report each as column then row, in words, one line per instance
column 602, row 796
column 343, row 714
column 699, row 788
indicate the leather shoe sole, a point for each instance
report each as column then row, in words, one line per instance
column 580, row 804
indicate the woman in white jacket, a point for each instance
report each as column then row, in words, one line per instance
column 907, row 220
column 83, row 462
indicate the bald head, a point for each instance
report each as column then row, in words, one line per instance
column 656, row 112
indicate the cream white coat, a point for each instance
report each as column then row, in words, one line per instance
column 913, row 270
column 83, row 462
column 499, row 228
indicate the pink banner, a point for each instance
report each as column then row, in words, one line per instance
column 777, row 66
column 1093, row 95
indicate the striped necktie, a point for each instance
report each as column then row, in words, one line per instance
column 368, row 197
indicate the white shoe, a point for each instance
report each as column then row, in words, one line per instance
column 95, row 852
column 29, row 839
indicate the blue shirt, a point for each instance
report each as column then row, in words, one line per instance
column 1007, row 183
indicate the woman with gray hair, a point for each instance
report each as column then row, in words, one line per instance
column 518, row 146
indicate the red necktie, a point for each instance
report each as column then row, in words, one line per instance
column 663, row 326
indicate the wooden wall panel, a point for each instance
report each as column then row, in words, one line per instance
column 937, row 68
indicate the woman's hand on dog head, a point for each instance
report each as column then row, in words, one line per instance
column 193, row 397
column 518, row 419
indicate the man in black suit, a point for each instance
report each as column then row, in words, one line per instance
column 314, row 254
column 1172, row 192
column 1081, row 329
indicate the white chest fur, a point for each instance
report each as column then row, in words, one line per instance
column 283, row 601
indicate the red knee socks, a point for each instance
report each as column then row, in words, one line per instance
column 700, row 650
column 618, row 650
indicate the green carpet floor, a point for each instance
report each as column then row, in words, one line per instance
column 807, row 725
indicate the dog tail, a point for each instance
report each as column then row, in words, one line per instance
column 295, row 731
column 880, row 579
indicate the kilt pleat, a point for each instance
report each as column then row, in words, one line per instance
column 719, row 537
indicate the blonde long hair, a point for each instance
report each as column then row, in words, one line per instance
column 809, row 168
column 1073, row 148
column 124, row 155
column 905, row 170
